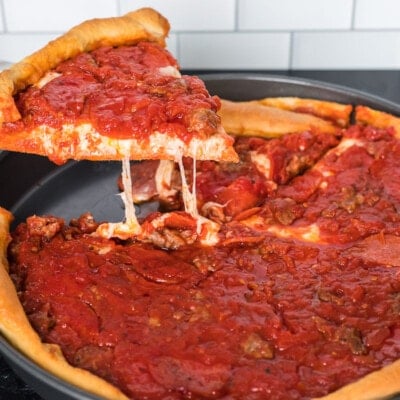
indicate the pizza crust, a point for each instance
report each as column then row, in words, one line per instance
column 144, row 24
column 338, row 113
column 368, row 116
column 15, row 327
column 251, row 118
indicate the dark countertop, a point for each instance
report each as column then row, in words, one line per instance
column 385, row 84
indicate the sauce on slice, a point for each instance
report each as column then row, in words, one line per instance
column 125, row 92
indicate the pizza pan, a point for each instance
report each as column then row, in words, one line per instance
column 33, row 185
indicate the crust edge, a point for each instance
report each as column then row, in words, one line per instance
column 379, row 119
column 252, row 118
column 380, row 384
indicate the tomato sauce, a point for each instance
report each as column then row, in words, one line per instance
column 255, row 317
column 125, row 92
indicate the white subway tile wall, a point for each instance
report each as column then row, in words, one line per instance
column 231, row 34
column 347, row 50
column 191, row 15
column 244, row 50
column 377, row 14
column 294, row 15
column 47, row 15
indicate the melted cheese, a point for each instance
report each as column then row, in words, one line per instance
column 48, row 77
column 346, row 143
column 163, row 179
column 170, row 71
column 120, row 230
column 189, row 197
column 309, row 233
column 341, row 148
column 158, row 231
column 127, row 197
column 83, row 142
column 130, row 227
column 262, row 163
column 206, row 230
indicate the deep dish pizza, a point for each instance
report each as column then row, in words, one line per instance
column 298, row 299
column 270, row 271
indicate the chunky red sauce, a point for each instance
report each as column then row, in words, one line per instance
column 257, row 316
column 124, row 92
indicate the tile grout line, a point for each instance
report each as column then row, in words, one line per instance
column 353, row 15
column 3, row 12
column 291, row 50
column 236, row 18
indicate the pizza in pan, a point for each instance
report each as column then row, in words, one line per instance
column 298, row 299
column 271, row 269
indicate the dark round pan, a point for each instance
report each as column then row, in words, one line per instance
column 33, row 185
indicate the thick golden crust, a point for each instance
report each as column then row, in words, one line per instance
column 338, row 113
column 16, row 328
column 144, row 24
column 368, row 116
column 378, row 385
column 250, row 118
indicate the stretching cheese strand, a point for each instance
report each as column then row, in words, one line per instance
column 130, row 227
column 126, row 195
column 189, row 198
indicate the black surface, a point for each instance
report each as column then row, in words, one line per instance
column 73, row 189
column 384, row 83
column 69, row 191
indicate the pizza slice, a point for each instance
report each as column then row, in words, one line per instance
column 109, row 90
